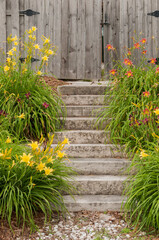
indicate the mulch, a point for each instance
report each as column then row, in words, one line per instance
column 53, row 82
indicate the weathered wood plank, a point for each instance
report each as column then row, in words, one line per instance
column 89, row 39
column 57, row 36
column 64, row 40
column 72, row 39
column 81, row 43
column 97, row 41
column 2, row 29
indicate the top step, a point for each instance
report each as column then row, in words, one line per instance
column 84, row 89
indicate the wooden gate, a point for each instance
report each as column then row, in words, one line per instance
column 126, row 19
column 72, row 25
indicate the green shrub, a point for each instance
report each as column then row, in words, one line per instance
column 142, row 204
column 32, row 180
column 26, row 102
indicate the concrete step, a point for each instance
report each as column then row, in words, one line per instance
column 83, row 136
column 93, row 89
column 84, row 111
column 92, row 151
column 83, row 123
column 83, row 100
column 98, row 184
column 99, row 203
column 99, row 166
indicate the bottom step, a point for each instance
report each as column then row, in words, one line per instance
column 98, row 203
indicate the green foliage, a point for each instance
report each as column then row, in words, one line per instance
column 142, row 204
column 133, row 99
column 32, row 180
column 27, row 104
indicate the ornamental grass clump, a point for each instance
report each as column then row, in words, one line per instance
column 142, row 203
column 26, row 102
column 133, row 98
column 32, row 179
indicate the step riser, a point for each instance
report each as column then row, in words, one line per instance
column 93, row 207
column 78, row 100
column 83, row 124
column 82, row 90
column 91, row 203
column 83, row 111
column 99, row 168
column 89, row 151
column 83, row 137
column 90, row 187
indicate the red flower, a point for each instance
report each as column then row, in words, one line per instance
column 157, row 70
column 113, row 71
column 153, row 60
column 110, row 47
column 144, row 52
column 129, row 74
column 146, row 111
column 127, row 62
column 45, row 105
column 28, row 95
column 137, row 45
column 146, row 94
column 143, row 40
column 129, row 53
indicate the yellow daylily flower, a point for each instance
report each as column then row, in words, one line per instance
column 45, row 58
column 48, row 171
column 156, row 111
column 41, row 166
column 143, row 154
column 14, row 49
column 26, row 158
column 65, row 141
column 39, row 73
column 30, row 36
column 14, row 63
column 6, row 68
column 34, row 28
column 8, row 140
column 22, row 116
column 47, row 40
column 15, row 38
column 10, row 53
column 50, row 52
column 8, row 60
column 36, row 46
column 50, row 159
column 34, row 145
column 60, row 154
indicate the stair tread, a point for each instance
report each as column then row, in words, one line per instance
column 100, row 160
column 93, row 198
column 99, row 178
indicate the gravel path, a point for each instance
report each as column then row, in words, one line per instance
column 87, row 226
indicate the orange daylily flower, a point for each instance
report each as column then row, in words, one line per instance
column 137, row 45
column 129, row 74
column 143, row 40
column 146, row 94
column 110, row 47
column 113, row 71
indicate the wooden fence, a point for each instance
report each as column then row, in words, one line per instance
column 74, row 26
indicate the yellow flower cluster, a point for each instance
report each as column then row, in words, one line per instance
column 42, row 159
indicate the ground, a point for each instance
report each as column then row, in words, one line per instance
column 78, row 226
column 53, row 82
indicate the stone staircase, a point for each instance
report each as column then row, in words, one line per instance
column 100, row 166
